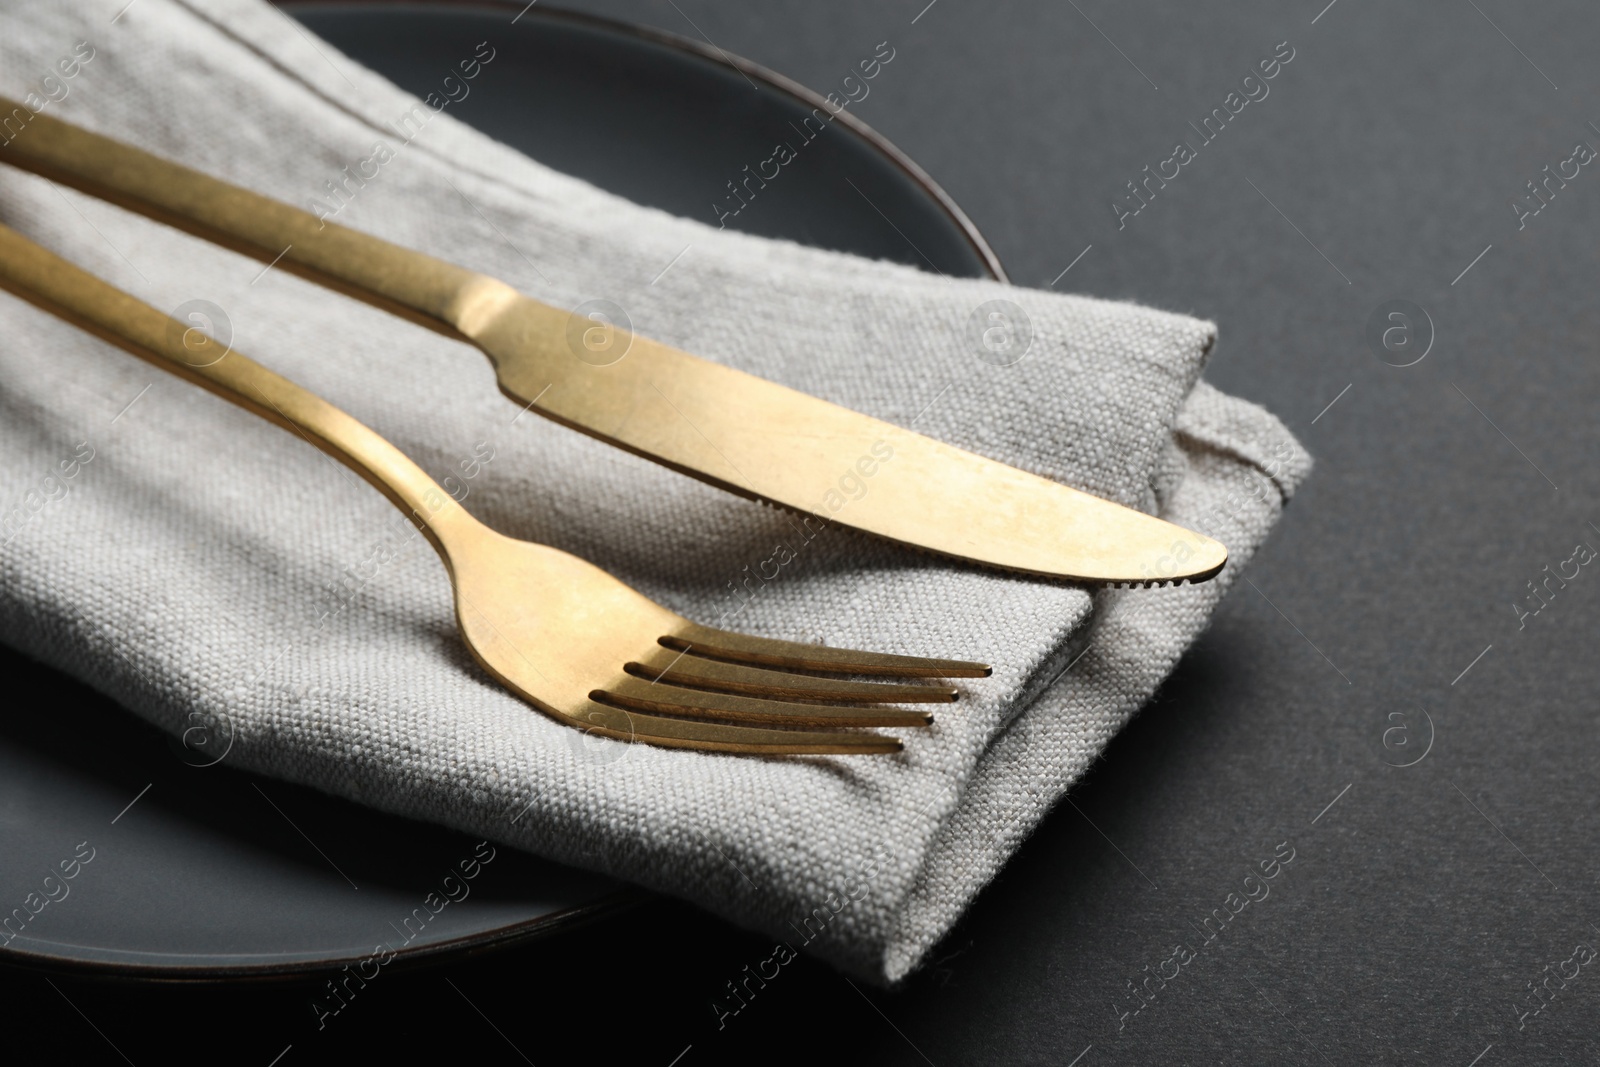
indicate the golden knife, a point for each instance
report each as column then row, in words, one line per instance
column 731, row 429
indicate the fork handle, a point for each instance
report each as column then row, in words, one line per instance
column 45, row 279
column 416, row 286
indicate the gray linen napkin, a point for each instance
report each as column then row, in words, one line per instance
column 186, row 557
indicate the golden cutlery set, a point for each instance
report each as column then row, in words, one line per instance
column 555, row 630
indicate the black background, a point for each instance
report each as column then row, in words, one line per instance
column 1422, row 902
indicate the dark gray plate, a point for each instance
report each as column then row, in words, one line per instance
column 669, row 122
column 205, row 872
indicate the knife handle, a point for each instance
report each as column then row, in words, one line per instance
column 416, row 286
column 44, row 279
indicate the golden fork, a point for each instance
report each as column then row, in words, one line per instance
column 557, row 631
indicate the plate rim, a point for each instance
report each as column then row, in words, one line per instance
column 453, row 949
column 628, row 897
column 723, row 58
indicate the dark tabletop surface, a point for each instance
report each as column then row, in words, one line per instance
column 1425, row 903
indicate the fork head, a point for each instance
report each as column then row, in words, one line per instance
column 594, row 653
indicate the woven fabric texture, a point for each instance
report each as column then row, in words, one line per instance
column 200, row 560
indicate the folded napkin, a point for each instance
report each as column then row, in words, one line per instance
column 187, row 558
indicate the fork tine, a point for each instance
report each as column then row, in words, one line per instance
column 689, row 670
column 641, row 695
column 624, row 725
column 742, row 648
